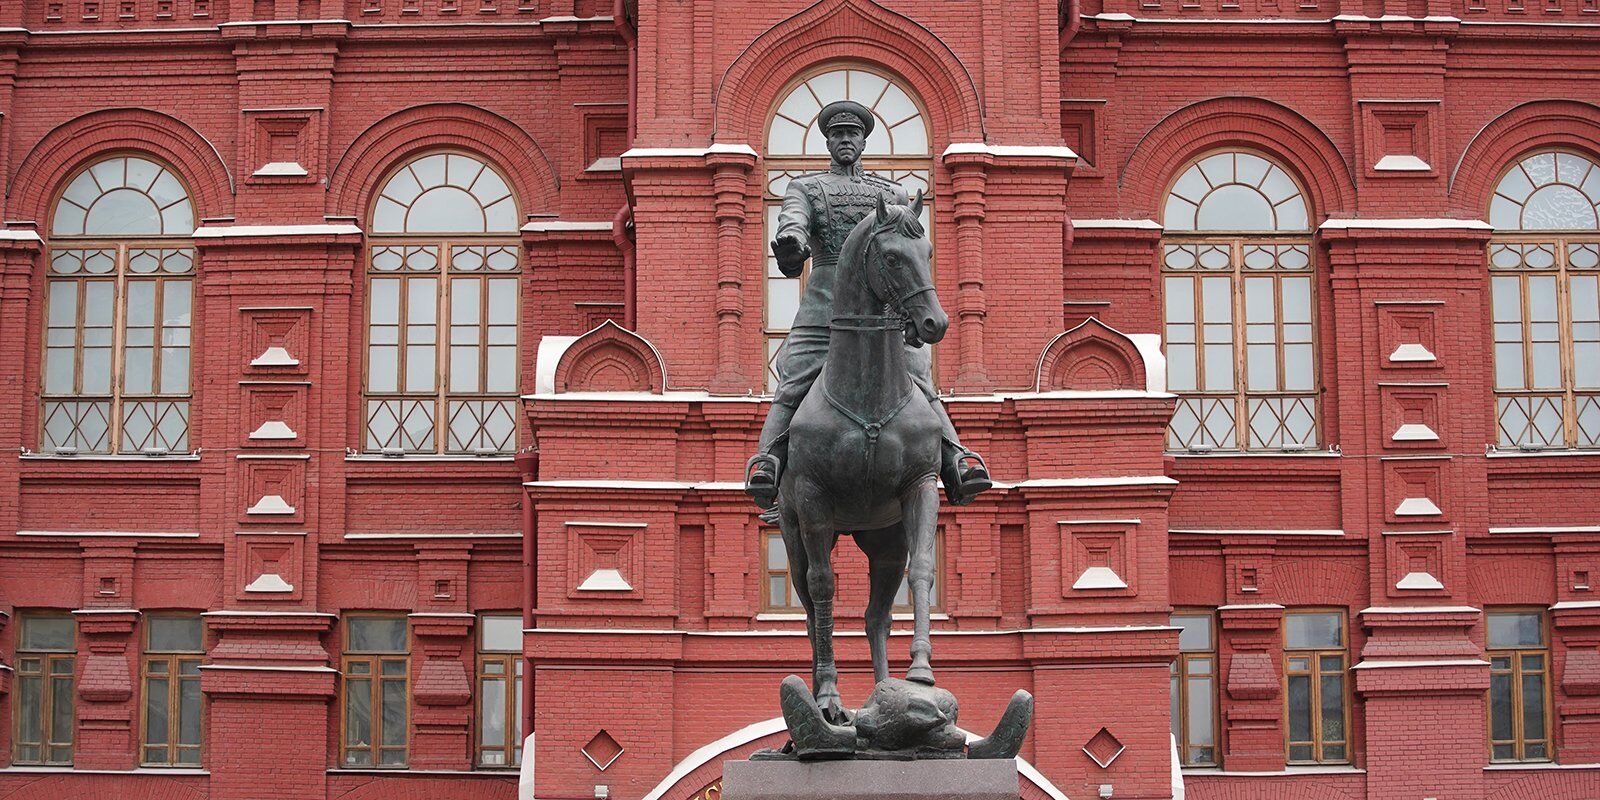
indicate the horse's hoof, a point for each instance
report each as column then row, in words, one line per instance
column 922, row 675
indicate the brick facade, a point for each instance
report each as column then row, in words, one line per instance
column 633, row 139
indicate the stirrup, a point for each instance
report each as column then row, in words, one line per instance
column 963, row 483
column 761, row 479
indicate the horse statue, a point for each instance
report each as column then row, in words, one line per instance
column 862, row 456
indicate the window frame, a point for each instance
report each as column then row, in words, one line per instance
column 1519, row 740
column 48, row 675
column 1236, row 241
column 512, row 665
column 1316, row 673
column 767, row 573
column 1180, row 675
column 174, row 661
column 1561, row 241
column 376, row 679
column 119, row 277
column 802, row 165
column 444, row 246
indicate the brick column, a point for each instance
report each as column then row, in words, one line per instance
column 730, row 180
column 441, row 726
column 969, row 177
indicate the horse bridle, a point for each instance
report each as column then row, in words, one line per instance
column 894, row 316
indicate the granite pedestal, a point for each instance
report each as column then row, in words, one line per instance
column 939, row 779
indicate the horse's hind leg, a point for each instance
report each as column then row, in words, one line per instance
column 921, row 510
column 886, row 556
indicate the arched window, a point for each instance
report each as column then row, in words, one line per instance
column 1236, row 274
column 898, row 149
column 442, row 286
column 118, row 312
column 1544, row 267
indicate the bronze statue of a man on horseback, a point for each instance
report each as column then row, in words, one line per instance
column 856, row 440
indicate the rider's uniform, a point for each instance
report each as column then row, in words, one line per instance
column 823, row 208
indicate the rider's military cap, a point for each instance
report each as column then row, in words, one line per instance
column 845, row 112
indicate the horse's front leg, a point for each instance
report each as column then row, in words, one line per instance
column 921, row 517
column 814, row 520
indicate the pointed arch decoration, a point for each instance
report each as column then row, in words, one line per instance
column 847, row 30
column 1234, row 122
column 88, row 138
column 357, row 175
column 1091, row 357
column 610, row 358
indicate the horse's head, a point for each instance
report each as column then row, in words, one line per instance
column 899, row 270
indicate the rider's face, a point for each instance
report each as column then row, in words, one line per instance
column 845, row 143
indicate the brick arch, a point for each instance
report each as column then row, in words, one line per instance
column 610, row 358
column 1250, row 122
column 1091, row 357
column 76, row 142
column 843, row 31
column 1530, row 126
column 1550, row 786
column 388, row 142
column 96, row 787
column 1317, row 581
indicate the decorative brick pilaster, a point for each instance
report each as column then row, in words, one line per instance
column 106, row 720
column 1577, row 699
column 1253, row 716
column 731, row 182
column 441, row 726
column 969, row 176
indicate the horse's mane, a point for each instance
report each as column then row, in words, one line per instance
column 901, row 221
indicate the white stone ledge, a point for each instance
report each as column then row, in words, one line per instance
column 119, row 534
column 1535, row 765
column 545, row 225
column 1256, row 532
column 1013, row 150
column 1442, row 662
column 1136, row 224
column 1418, row 610
column 221, row 231
column 1078, row 630
column 652, row 152
column 264, row 668
column 1407, row 223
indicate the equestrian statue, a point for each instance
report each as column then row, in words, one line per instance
column 855, row 443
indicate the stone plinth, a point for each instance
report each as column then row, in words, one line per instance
column 954, row 779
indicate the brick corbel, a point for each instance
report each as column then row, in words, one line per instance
column 1254, row 717
column 441, row 680
column 105, row 634
column 730, row 181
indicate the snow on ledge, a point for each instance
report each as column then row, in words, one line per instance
column 281, row 169
column 1394, row 163
column 1418, row 610
column 1441, row 662
column 1015, row 150
column 1407, row 223
column 19, row 236
column 648, row 152
column 220, row 231
column 1136, row 224
column 542, row 225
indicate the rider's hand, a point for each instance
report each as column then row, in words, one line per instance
column 791, row 251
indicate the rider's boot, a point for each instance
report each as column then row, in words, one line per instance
column 964, row 473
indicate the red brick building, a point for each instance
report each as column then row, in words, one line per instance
column 382, row 373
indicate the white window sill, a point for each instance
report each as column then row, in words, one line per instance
column 1323, row 453
column 427, row 457
column 487, row 772
column 29, row 456
column 1307, row 769
column 776, row 616
column 1550, row 451
column 74, row 771
column 1515, row 766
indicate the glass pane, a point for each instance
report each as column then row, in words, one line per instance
column 1333, row 708
column 1500, row 705
column 492, row 720
column 61, row 710
column 1533, row 706
column 1535, row 751
column 155, row 711
column 1194, row 633
column 175, row 313
column 394, row 668
column 1176, row 699
column 1317, row 630
column 1299, row 708
column 30, row 708
column 1503, row 752
column 394, row 712
column 46, row 634
column 358, row 719
column 502, row 633
column 189, row 711
column 175, row 635
column 1201, row 724
column 1509, row 629
column 1300, row 752
column 376, row 635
